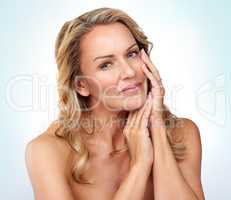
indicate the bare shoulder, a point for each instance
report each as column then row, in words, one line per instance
column 48, row 161
column 47, row 145
column 191, row 165
column 189, row 130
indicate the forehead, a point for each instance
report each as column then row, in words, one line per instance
column 106, row 39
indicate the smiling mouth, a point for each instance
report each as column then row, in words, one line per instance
column 132, row 90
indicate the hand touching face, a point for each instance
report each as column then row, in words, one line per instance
column 157, row 88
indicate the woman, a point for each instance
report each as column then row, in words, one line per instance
column 114, row 137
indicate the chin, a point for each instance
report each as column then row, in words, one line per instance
column 133, row 103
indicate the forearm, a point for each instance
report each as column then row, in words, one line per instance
column 168, row 180
column 133, row 187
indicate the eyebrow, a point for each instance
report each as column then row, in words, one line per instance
column 111, row 55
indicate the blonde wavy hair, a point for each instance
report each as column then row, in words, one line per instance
column 71, row 104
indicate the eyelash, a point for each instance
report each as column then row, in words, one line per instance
column 104, row 64
column 134, row 51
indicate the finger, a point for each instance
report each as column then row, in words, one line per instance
column 129, row 116
column 147, row 132
column 154, row 82
column 135, row 122
column 150, row 72
column 150, row 76
column 134, row 117
column 147, row 104
column 145, row 117
column 128, row 122
column 132, row 124
column 150, row 65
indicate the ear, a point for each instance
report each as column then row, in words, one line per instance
column 81, row 86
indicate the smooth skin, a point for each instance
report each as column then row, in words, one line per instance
column 185, row 176
column 130, row 174
column 42, row 158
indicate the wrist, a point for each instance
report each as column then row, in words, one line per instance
column 141, row 169
column 157, row 122
column 159, row 137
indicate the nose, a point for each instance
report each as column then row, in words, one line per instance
column 127, row 71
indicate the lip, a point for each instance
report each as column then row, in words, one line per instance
column 131, row 88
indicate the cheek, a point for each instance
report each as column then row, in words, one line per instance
column 109, row 89
column 105, row 87
column 108, row 84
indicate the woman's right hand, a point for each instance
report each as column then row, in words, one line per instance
column 137, row 136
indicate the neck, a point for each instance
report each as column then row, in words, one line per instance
column 108, row 135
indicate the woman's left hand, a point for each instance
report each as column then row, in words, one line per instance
column 157, row 89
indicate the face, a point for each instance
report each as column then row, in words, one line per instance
column 110, row 62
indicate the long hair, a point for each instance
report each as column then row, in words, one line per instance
column 71, row 104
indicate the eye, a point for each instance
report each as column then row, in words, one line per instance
column 134, row 53
column 104, row 65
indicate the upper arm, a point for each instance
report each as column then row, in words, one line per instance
column 47, row 169
column 191, row 166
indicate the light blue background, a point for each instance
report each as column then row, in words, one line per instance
column 191, row 50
